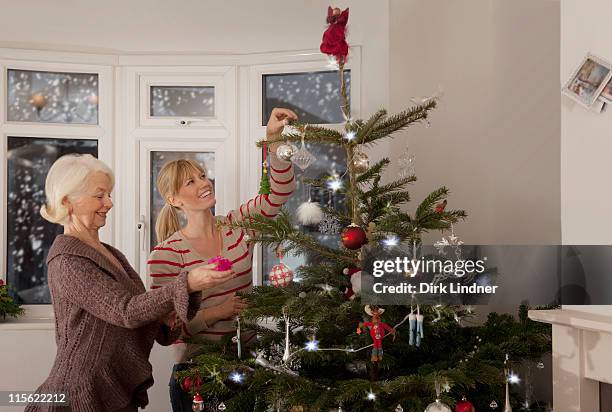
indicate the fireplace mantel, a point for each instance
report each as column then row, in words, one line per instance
column 581, row 357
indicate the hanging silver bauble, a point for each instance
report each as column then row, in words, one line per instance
column 286, row 151
column 302, row 158
column 361, row 163
column 438, row 406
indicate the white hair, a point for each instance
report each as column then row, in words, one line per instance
column 67, row 177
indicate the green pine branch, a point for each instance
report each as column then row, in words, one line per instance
column 367, row 127
column 313, row 134
column 374, row 171
column 280, row 230
column 386, row 127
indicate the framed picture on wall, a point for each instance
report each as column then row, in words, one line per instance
column 588, row 81
column 606, row 93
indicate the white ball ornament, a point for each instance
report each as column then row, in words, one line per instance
column 310, row 213
column 437, row 406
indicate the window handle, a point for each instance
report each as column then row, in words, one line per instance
column 141, row 226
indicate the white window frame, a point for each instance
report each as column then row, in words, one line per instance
column 224, row 190
column 138, row 134
column 102, row 132
column 252, row 106
column 218, row 77
column 125, row 128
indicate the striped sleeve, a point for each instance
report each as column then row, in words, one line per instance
column 164, row 264
column 282, row 185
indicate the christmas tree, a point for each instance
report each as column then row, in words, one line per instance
column 316, row 348
column 7, row 305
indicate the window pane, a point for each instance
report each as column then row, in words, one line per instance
column 314, row 96
column 187, row 101
column 158, row 159
column 330, row 159
column 52, row 97
column 29, row 235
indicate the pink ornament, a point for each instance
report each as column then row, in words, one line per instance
column 280, row 276
column 222, row 263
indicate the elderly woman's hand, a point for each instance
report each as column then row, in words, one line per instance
column 172, row 320
column 278, row 119
column 206, row 277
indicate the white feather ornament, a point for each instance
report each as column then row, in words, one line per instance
column 309, row 213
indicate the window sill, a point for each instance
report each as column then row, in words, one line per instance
column 27, row 324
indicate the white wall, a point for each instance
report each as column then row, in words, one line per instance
column 586, row 137
column 494, row 140
column 196, row 26
column 187, row 27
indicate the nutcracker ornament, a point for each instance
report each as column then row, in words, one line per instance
column 377, row 331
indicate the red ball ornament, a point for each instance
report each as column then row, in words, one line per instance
column 188, row 383
column 280, row 275
column 353, row 237
column 464, row 406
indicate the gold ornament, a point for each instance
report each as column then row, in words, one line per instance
column 92, row 99
column 361, row 163
column 38, row 101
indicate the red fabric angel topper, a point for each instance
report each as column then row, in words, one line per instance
column 334, row 39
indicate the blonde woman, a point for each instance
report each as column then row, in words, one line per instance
column 184, row 186
column 105, row 321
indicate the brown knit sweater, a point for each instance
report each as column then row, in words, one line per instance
column 105, row 326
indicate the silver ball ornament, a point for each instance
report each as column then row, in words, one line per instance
column 438, row 406
column 361, row 163
column 286, row 151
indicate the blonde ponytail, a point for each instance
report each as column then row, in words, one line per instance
column 167, row 223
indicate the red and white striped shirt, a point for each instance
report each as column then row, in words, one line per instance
column 175, row 254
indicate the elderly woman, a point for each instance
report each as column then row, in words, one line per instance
column 105, row 321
